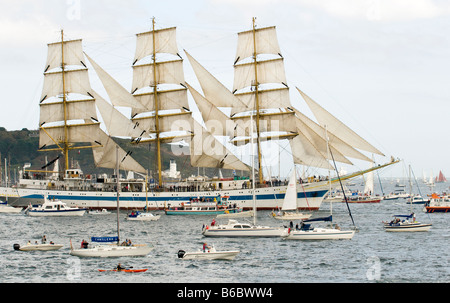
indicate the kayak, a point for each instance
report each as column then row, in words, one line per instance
column 124, row 270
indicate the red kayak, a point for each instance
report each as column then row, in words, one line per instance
column 124, row 270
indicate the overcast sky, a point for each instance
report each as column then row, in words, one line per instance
column 380, row 66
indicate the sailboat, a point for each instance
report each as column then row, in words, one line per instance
column 112, row 250
column 238, row 229
column 367, row 196
column 441, row 178
column 406, row 223
column 290, row 203
column 143, row 216
column 160, row 114
column 8, row 209
column 333, row 231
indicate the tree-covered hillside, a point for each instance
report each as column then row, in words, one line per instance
column 20, row 147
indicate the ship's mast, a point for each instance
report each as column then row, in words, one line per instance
column 66, row 141
column 258, row 142
column 158, row 142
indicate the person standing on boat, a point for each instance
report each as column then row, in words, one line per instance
column 205, row 246
column 43, row 240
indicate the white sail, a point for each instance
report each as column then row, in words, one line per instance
column 116, row 123
column 73, row 54
column 320, row 143
column 207, row 151
column 337, row 127
column 214, row 90
column 305, row 153
column 368, row 187
column 118, row 95
column 216, row 122
column 334, row 141
column 267, row 43
column 165, row 42
column 290, row 198
column 161, row 79
column 105, row 156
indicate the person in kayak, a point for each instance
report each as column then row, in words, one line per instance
column 119, row 267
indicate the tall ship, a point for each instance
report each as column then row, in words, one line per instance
column 160, row 113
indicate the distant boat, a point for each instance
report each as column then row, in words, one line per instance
column 417, row 199
column 441, row 178
column 290, row 206
column 140, row 216
column 104, row 211
column 7, row 209
column 203, row 206
column 363, row 199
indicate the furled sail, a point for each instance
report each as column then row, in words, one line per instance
column 338, row 128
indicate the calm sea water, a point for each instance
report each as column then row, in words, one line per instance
column 373, row 255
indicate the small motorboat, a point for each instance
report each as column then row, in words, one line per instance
column 210, row 253
column 139, row 216
column 104, row 211
column 38, row 247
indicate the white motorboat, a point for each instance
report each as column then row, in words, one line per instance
column 238, row 229
column 408, row 224
column 139, row 216
column 306, row 232
column 7, row 209
column 208, row 254
column 104, row 211
column 289, row 210
column 38, row 247
column 54, row 209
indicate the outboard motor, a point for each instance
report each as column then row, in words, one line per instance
column 181, row 254
column 16, row 246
